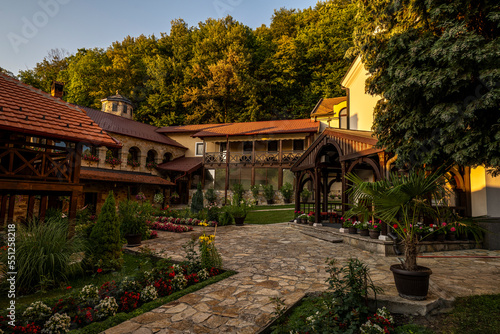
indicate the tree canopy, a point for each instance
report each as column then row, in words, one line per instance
column 217, row 71
column 436, row 65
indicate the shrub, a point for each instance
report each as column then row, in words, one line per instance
column 44, row 254
column 268, row 191
column 212, row 213
column 255, row 192
column 130, row 221
column 287, row 191
column 238, row 190
column 106, row 308
column 197, row 201
column 225, row 218
column 57, row 324
column 37, row 312
column 105, row 240
column 211, row 196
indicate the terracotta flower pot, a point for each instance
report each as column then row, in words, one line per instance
column 364, row 233
column 374, row 234
column 413, row 285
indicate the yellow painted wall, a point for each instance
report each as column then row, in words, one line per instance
column 485, row 193
column 187, row 141
column 361, row 104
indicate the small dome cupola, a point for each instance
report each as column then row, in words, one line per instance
column 117, row 105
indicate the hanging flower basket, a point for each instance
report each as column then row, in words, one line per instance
column 113, row 161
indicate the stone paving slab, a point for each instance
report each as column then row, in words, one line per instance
column 276, row 260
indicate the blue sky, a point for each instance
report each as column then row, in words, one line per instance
column 30, row 28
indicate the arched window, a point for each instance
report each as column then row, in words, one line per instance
column 343, row 119
column 167, row 157
column 134, row 156
column 151, row 157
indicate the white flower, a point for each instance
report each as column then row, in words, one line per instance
column 203, row 274
column 107, row 307
column 37, row 311
column 149, row 293
column 179, row 282
column 89, row 292
column 57, row 324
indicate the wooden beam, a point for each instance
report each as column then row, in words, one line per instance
column 3, row 209
column 31, row 207
column 317, row 194
column 12, row 203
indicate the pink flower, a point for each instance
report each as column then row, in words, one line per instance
column 452, row 229
column 443, row 224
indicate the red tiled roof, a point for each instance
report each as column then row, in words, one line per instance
column 96, row 174
column 128, row 127
column 29, row 110
column 247, row 128
column 184, row 164
column 325, row 106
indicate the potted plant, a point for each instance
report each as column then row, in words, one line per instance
column 303, row 218
column 305, row 194
column 133, row 225
column 374, row 229
column 297, row 214
column 269, row 193
column 239, row 209
column 349, row 225
column 255, row 193
column 363, row 228
column 311, row 218
column 287, row 191
column 408, row 197
column 110, row 159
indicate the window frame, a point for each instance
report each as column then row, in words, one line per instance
column 196, row 149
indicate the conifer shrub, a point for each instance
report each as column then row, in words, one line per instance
column 197, row 202
column 105, row 240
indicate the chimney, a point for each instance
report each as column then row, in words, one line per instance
column 56, row 90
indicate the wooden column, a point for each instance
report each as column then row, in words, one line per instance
column 253, row 152
column 317, row 194
column 343, row 197
column 325, row 190
column 280, row 159
column 297, row 191
column 467, row 186
column 228, row 157
column 73, row 201
column 43, row 207
column 382, row 158
column 3, row 209
column 31, row 207
column 12, row 203
column 252, row 182
column 280, row 178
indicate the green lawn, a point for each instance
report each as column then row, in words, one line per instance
column 132, row 264
column 271, row 207
column 269, row 217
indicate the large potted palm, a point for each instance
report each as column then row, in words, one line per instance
column 402, row 201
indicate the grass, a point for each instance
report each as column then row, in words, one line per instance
column 272, row 207
column 475, row 315
column 131, row 266
column 269, row 217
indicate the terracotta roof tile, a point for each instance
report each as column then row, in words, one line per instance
column 184, row 164
column 127, row 127
column 97, row 174
column 29, row 110
column 325, row 106
column 247, row 128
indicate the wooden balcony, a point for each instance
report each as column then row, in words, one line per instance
column 257, row 158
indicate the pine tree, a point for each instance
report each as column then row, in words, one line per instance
column 105, row 240
column 197, row 202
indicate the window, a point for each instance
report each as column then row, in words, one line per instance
column 199, row 149
column 209, row 178
column 289, row 177
column 89, row 150
column 223, row 147
column 240, row 175
column 267, row 176
column 272, row 146
column 298, row 145
column 220, row 179
column 124, row 109
column 167, row 157
column 247, row 146
column 343, row 119
column 114, row 107
column 113, row 153
column 151, row 157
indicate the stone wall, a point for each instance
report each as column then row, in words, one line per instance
column 144, row 146
column 247, row 195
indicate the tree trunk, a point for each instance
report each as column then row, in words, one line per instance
column 410, row 254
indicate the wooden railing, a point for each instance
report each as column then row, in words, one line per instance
column 37, row 162
column 258, row 157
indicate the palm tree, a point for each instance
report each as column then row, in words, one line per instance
column 402, row 201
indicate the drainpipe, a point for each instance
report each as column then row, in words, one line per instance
column 388, row 165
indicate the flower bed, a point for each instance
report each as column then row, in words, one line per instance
column 93, row 304
column 169, row 227
column 183, row 221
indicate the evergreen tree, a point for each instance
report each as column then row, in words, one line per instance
column 197, row 201
column 105, row 240
column 436, row 65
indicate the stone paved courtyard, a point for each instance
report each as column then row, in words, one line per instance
column 277, row 260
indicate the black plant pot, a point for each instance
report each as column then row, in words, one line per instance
column 364, row 233
column 133, row 240
column 413, row 285
column 239, row 220
column 374, row 234
column 353, row 230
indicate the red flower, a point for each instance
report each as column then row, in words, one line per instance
column 68, row 288
column 395, row 226
column 99, row 270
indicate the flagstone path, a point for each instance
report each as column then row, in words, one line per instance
column 277, row 260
